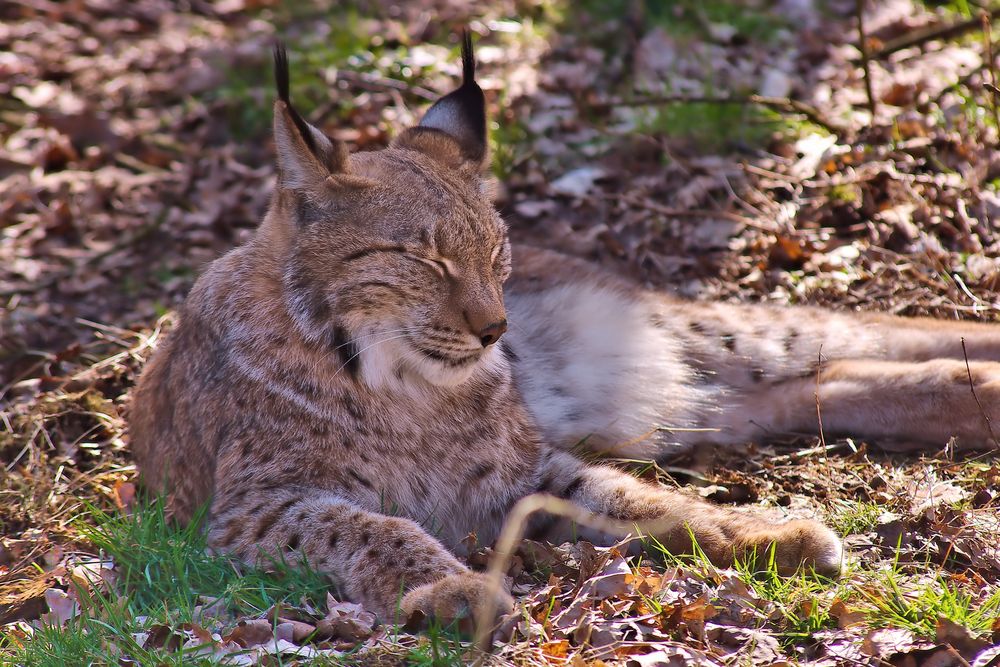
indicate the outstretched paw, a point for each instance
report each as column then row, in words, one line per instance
column 455, row 598
column 798, row 544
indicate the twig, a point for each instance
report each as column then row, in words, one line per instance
column 785, row 104
column 677, row 212
column 138, row 165
column 972, row 388
column 859, row 6
column 513, row 531
column 977, row 303
column 378, row 83
column 819, row 413
column 803, row 453
column 919, row 37
column 991, row 66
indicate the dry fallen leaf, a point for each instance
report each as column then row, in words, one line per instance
column 62, row 607
column 670, row 656
column 960, row 637
column 844, row 615
column 558, row 649
column 887, row 642
column 124, row 496
column 251, row 632
column 346, row 620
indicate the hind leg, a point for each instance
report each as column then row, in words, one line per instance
column 925, row 339
column 917, row 402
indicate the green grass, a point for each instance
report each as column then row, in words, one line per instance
column 438, row 647
column 891, row 597
column 893, row 601
column 163, row 564
column 509, row 141
column 247, row 91
column 715, row 127
column 315, row 54
column 803, row 599
column 961, row 8
column 162, row 570
column 850, row 517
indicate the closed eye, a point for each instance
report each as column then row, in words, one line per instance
column 373, row 250
column 442, row 266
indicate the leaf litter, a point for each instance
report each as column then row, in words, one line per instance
column 128, row 161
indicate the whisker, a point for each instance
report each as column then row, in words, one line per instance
column 376, row 333
column 368, row 347
column 333, row 351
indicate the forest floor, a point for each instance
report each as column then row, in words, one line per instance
column 717, row 149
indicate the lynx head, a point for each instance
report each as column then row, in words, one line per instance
column 395, row 258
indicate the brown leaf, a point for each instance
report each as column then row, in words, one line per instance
column 887, row 642
column 298, row 630
column 700, row 610
column 788, row 252
column 84, row 129
column 613, row 581
column 959, row 636
column 845, row 617
column 346, row 620
column 251, row 632
column 94, row 574
column 556, row 649
column 759, row 646
column 671, row 655
column 161, row 636
column 124, row 496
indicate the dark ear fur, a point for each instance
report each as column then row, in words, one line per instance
column 460, row 116
column 306, row 156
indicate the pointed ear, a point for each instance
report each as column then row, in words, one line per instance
column 454, row 129
column 306, row 156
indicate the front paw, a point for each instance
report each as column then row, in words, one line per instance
column 456, row 598
column 798, row 544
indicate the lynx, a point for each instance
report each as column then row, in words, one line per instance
column 344, row 387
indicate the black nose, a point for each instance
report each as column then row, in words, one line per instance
column 491, row 334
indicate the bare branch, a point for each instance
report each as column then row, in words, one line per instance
column 865, row 60
column 932, row 33
column 972, row 387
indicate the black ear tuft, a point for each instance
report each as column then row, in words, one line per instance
column 461, row 114
column 282, row 83
column 281, row 71
column 468, row 60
